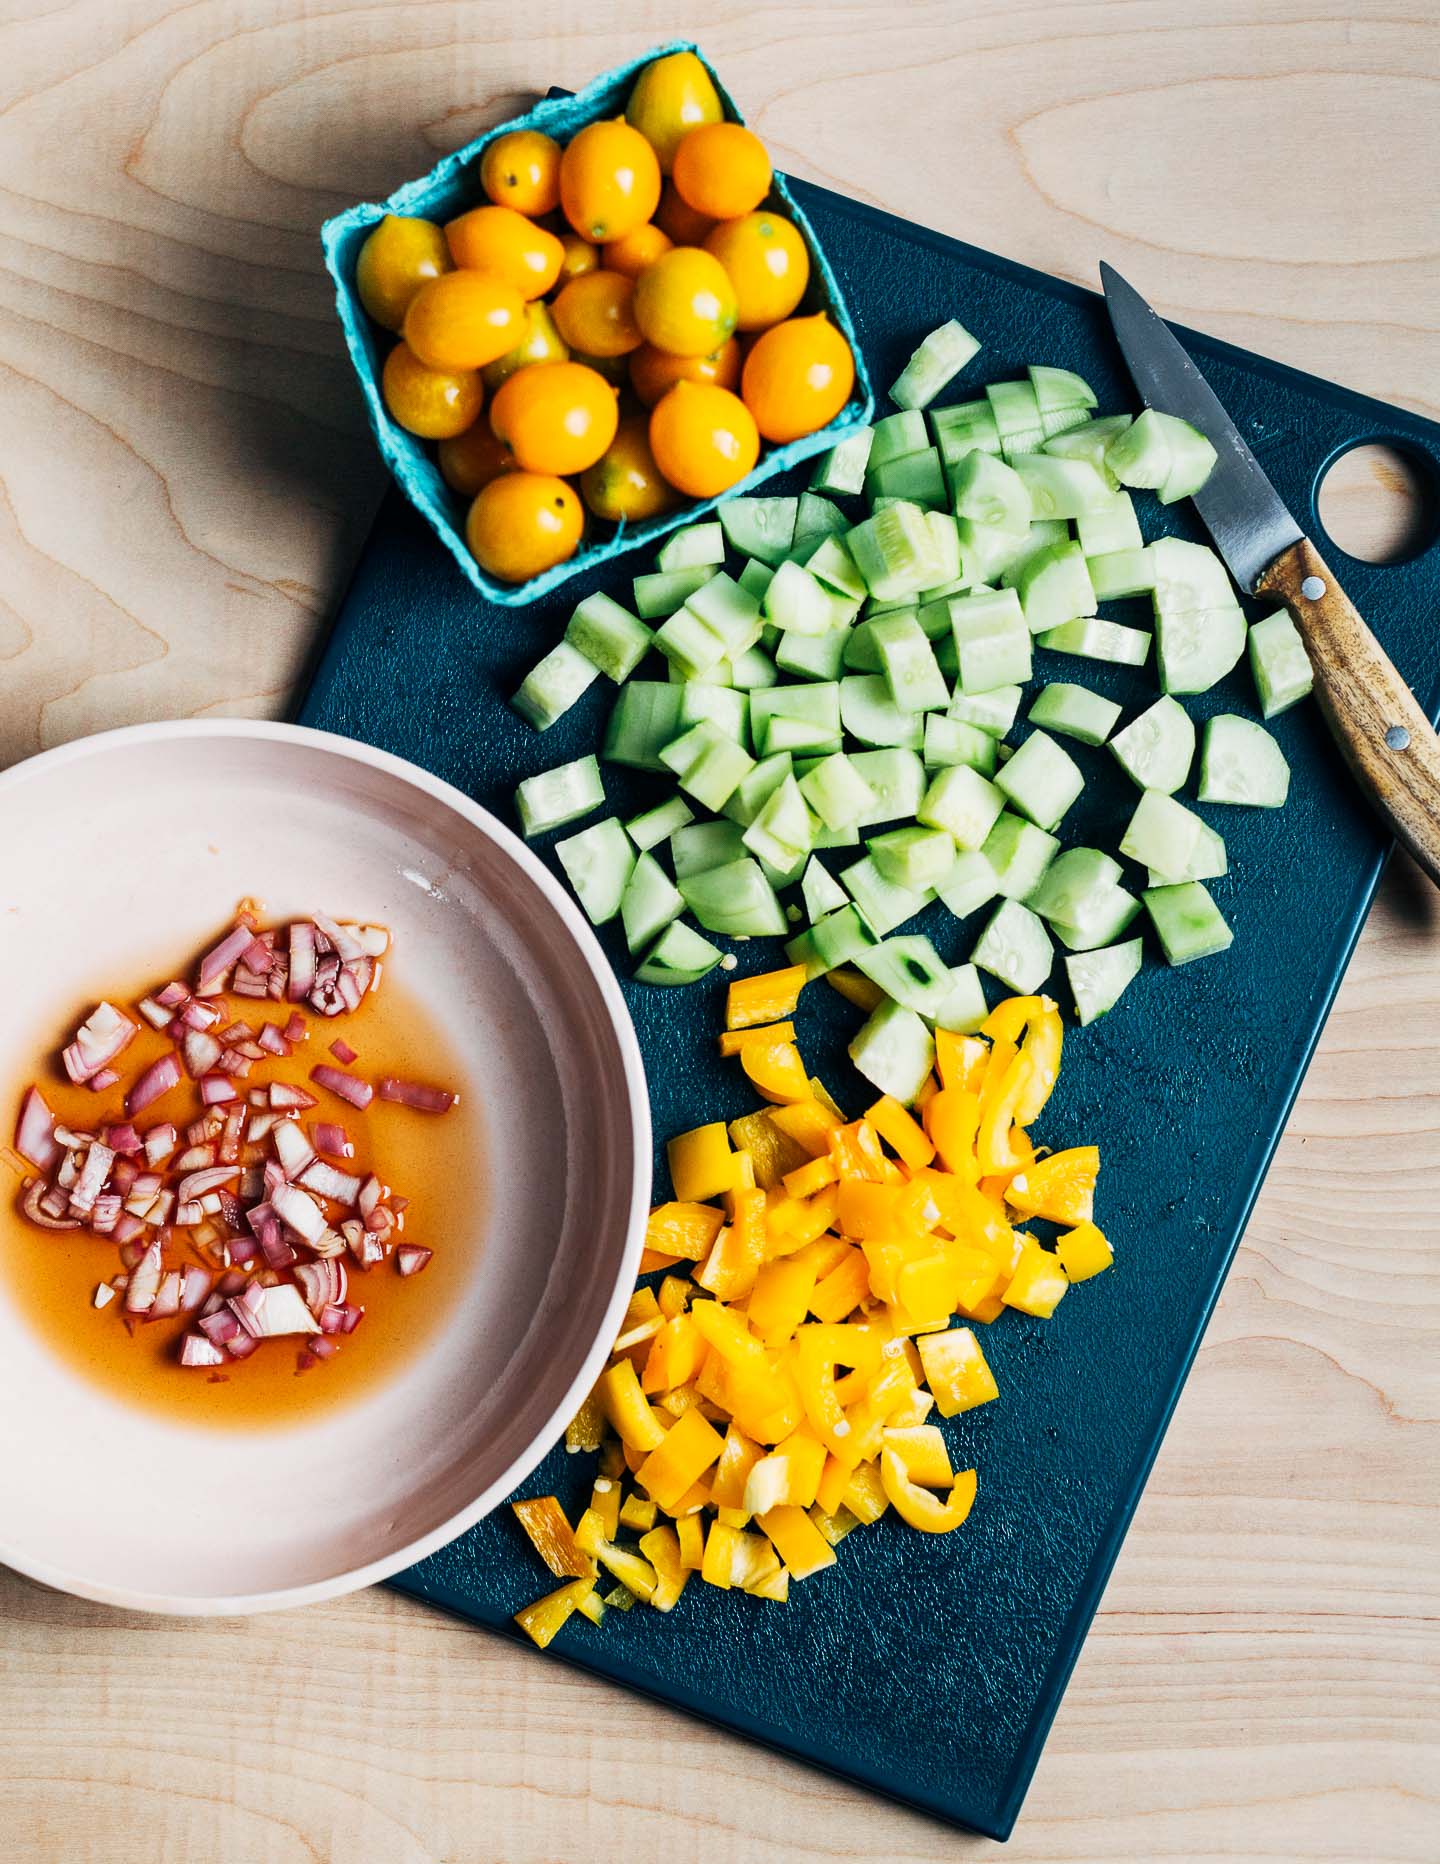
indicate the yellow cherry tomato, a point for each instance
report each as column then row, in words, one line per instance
column 685, row 303
column 596, row 314
column 580, row 256
column 469, row 461
column 640, row 247
column 625, row 482
column 609, row 181
column 523, row 523
column 541, row 342
column 653, row 372
column 395, row 261
column 704, row 438
column 432, row 403
column 521, row 169
column 462, row 320
column 556, row 417
column 507, row 245
column 681, row 223
column 721, row 169
column 797, row 377
column 671, row 96
column 767, row 262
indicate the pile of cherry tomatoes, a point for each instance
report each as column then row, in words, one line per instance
column 597, row 323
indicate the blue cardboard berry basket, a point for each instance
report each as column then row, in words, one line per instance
column 452, row 186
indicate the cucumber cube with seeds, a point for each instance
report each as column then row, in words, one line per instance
column 1016, row 948
column 1187, row 922
column 894, row 1051
column 1157, row 749
column 553, row 685
column 608, row 635
column 552, row 798
column 969, row 885
column 1041, row 780
column 1279, row 663
column 1019, row 855
column 1075, row 711
column 963, row 803
column 935, row 363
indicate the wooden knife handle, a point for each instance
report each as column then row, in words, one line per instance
column 1386, row 739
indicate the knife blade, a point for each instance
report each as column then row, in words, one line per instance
column 1384, row 736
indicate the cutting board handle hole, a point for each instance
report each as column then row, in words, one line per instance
column 1379, row 501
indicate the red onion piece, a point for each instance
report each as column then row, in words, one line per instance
column 260, row 1127
column 167, row 1297
column 127, row 1228
column 243, row 1249
column 195, row 1158
column 123, row 1174
column 122, row 1138
column 91, row 1181
column 416, row 1094
column 271, row 1040
column 220, row 957
column 172, row 996
column 201, row 1051
column 196, row 1350
column 98, row 1083
column 341, row 937
column 323, row 1284
column 328, row 1137
column 292, row 1148
column 322, row 1347
column 35, row 1192
column 287, row 1099
column 371, row 1193
column 410, row 1258
column 144, row 1282
column 349, row 987
column 242, row 1346
column 106, row 1213
column 266, row 1313
column 156, row 1080
column 160, row 1142
column 329, row 1181
column 96, row 1043
column 399, row 1204
column 257, row 957
column 298, row 1212
column 154, row 1012
column 197, row 1183
column 215, row 1089
column 343, row 1052
column 302, row 960
column 199, row 1016
column 296, row 1029
column 35, row 1132
column 195, row 1288
column 346, row 1086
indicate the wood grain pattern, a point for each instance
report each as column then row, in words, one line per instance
column 183, row 476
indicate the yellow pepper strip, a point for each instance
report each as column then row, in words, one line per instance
column 612, row 1459
column 753, row 1562
column 544, row 1618
column 790, row 1474
column 1039, row 1018
column 765, row 998
column 720, row 1548
column 634, row 1573
column 843, row 1290
column 729, row 1271
column 738, row 1456
column 865, row 1495
column 1038, row 1283
column 914, row 1411
column 690, row 1447
column 952, row 1119
column 733, row 1040
column 626, row 1409
column 822, row 1255
column 592, row 1607
column 676, row 1355
column 860, row 991
column 674, row 1294
column 775, row 1070
column 772, row 1152
column 826, row 1099
column 652, row 1261
column 961, row 1061
column 900, row 1132
column 693, row 1500
column 956, row 1371
column 997, row 1113
column 925, row 1288
column 1060, row 1188
column 834, row 1526
column 918, row 1506
column 637, row 1512
column 855, row 1150
column 1083, row 1252
column 863, row 1209
column 793, row 1222
column 661, row 1547
column 605, row 1506
column 775, row 1586
column 929, row 1088
column 834, row 1480
column 553, row 1538
column 922, row 1452
column 586, row 1428
column 686, row 1230
column 819, row 1349
column 620, row 1599
column 780, row 1298
column 744, row 1170
column 809, row 1178
column 809, row 1123
column 690, row 1537
column 797, row 1540
column 700, row 1163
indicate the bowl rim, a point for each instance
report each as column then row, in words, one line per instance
column 511, row 847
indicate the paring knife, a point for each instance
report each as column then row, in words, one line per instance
column 1373, row 716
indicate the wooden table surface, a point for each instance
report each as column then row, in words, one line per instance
column 184, row 476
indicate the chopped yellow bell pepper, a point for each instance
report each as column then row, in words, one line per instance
column 544, row 1618
column 822, row 1255
column 690, row 1447
column 553, row 1538
column 918, row 1506
column 638, row 1511
column 790, row 1474
column 1060, row 1188
column 676, row 1354
column 929, row 1088
column 620, row 1599
column 826, row 1099
column 809, row 1178
column 772, row 1152
column 834, row 1480
column 855, row 1150
column 952, row 1119
column 677, row 1401
column 637, row 1575
column 774, row 1585
column 733, row 1040
column 591, row 1607
column 1039, row 1018
column 923, row 1454
column 701, row 1166
column 674, row 1295
column 854, row 988
column 865, row 1210
column 626, row 1409
column 721, row 1544
column 865, row 1495
column 956, row 1371
column 605, row 1506
column 750, row 1001
column 900, row 1132
column 780, row 1298
column 792, row 1222
column 961, row 1061
column 843, row 1289
column 661, row 1547
column 686, row 1230
column 797, row 1540
column 612, row 1459
column 818, row 1350
column 913, row 1411
column 775, row 1070
column 652, row 1260
column 809, row 1124
column 586, row 1428
column 690, row 1537
column 1083, row 1252
column 729, row 1271
column 993, row 1147
column 738, row 1456
column 1038, row 1283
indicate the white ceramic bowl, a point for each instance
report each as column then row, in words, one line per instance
column 130, row 1508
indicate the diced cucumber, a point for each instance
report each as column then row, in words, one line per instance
column 963, row 803
column 608, row 635
column 991, row 640
column 1075, row 711
column 1016, row 948
column 1192, row 460
column 1016, row 410
column 707, row 764
column 1059, row 388
column 986, row 552
column 1019, row 855
column 796, row 718
column 679, row 956
column 1242, row 763
column 736, row 901
column 965, row 1009
column 868, row 713
column 783, row 829
column 1157, row 749
column 881, row 904
column 1098, row 978
column 992, row 712
column 691, row 546
column 1118, row 573
column 945, row 536
column 751, row 670
column 646, row 718
column 896, row 780
column 918, row 477
column 1108, row 911
column 947, row 658
column 896, row 435
column 662, row 592
column 990, row 492
column 842, row 469
column 1207, row 862
column 1092, row 638
column 1043, row 533
column 1196, row 650
column 1054, row 587
column 1188, row 577
column 934, row 364
column 798, row 601
column 917, row 858
column 895, row 1051
column 815, row 519
column 648, row 903
column 755, row 577
column 552, row 798
column 915, row 681
column 835, row 567
column 1089, row 441
column 1041, row 780
column 1112, row 529
column 1061, row 488
column 895, row 551
column 726, row 709
column 1141, row 455
column 1187, row 922
column 910, row 971
column 837, row 792
column 812, row 656
column 729, row 611
column 1279, row 662
column 1071, row 882
column 597, row 864
column 553, row 685
column 1162, row 835
column 759, row 527
column 860, row 653
column 821, row 891
column 969, row 885
column 692, row 647
column 960, row 428
column 835, row 939
column 659, row 824
column 700, row 846
column 757, row 786
column 949, row 741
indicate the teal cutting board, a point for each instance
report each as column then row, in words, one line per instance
column 931, row 1669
